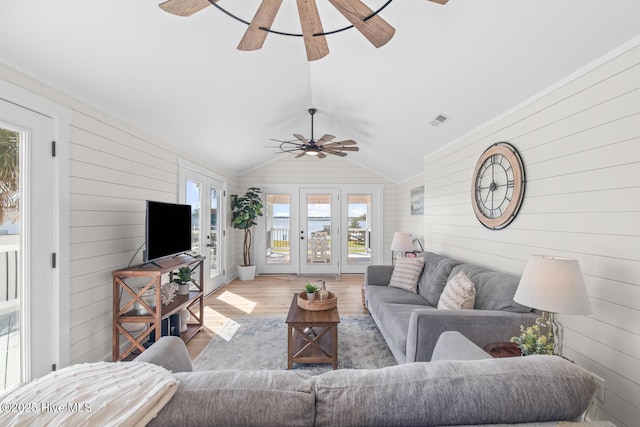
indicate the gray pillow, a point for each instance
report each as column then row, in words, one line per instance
column 437, row 269
column 494, row 290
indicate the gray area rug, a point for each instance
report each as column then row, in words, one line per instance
column 261, row 343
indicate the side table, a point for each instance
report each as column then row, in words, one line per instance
column 502, row 349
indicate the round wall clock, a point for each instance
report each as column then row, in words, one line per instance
column 498, row 185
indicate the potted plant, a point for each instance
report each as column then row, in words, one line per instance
column 183, row 279
column 531, row 341
column 244, row 211
column 311, row 291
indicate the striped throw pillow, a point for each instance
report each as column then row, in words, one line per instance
column 459, row 292
column 406, row 273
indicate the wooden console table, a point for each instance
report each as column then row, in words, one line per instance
column 152, row 274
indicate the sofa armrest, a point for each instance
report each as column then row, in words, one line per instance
column 480, row 326
column 378, row 275
column 452, row 345
column 168, row 352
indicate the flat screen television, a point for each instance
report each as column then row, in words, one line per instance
column 167, row 230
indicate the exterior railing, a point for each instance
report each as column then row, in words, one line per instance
column 278, row 239
column 9, row 258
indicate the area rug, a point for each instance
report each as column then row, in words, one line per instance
column 260, row 343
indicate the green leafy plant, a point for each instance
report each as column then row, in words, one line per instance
column 244, row 211
column 531, row 342
column 183, row 277
column 309, row 288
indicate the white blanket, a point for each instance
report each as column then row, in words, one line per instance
column 91, row 394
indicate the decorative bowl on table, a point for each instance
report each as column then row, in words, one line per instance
column 317, row 305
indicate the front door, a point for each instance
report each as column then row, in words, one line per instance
column 320, row 231
column 28, row 297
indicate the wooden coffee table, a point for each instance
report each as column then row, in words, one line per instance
column 312, row 335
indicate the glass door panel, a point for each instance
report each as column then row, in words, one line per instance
column 278, row 222
column 11, row 355
column 359, row 229
column 319, row 233
column 213, row 239
column 193, row 196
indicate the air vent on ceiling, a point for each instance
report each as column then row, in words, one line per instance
column 439, row 120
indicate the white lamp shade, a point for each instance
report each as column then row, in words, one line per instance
column 554, row 285
column 401, row 242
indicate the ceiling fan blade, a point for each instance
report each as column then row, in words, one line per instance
column 316, row 46
column 440, row 1
column 301, row 154
column 346, row 142
column 349, row 149
column 321, row 156
column 336, row 153
column 184, row 7
column 302, row 138
column 326, row 138
column 254, row 37
column 375, row 29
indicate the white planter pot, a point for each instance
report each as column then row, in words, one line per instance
column 246, row 272
column 183, row 289
column 184, row 319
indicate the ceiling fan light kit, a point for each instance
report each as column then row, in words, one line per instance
column 364, row 19
column 320, row 148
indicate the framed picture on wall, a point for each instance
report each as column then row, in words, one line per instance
column 417, row 200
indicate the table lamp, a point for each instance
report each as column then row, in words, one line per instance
column 401, row 243
column 553, row 285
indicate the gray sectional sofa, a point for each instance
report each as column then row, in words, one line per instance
column 461, row 386
column 411, row 323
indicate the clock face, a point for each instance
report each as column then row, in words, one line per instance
column 498, row 186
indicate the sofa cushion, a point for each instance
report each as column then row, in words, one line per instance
column 381, row 294
column 394, row 319
column 492, row 391
column 459, row 293
column 240, row 398
column 406, row 273
column 434, row 276
column 494, row 290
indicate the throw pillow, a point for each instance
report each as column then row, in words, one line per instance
column 406, row 273
column 458, row 293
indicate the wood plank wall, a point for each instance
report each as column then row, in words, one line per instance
column 114, row 169
column 580, row 145
column 413, row 224
column 328, row 171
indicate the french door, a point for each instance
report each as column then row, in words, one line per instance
column 206, row 196
column 29, row 329
column 320, row 230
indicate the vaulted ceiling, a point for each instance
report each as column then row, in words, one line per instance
column 182, row 79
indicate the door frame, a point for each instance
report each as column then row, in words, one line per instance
column 377, row 192
column 187, row 169
column 61, row 117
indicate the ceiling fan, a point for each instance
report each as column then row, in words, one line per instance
column 319, row 148
column 364, row 19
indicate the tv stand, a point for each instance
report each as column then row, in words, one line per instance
column 194, row 303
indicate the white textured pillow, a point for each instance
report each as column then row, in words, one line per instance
column 97, row 394
column 406, row 273
column 459, row 292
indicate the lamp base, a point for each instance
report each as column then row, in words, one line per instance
column 549, row 324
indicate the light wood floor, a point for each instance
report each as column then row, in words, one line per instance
column 266, row 296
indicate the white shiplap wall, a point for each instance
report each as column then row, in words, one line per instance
column 114, row 168
column 580, row 144
column 330, row 170
column 413, row 224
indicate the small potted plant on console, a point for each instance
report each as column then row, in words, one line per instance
column 183, row 279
